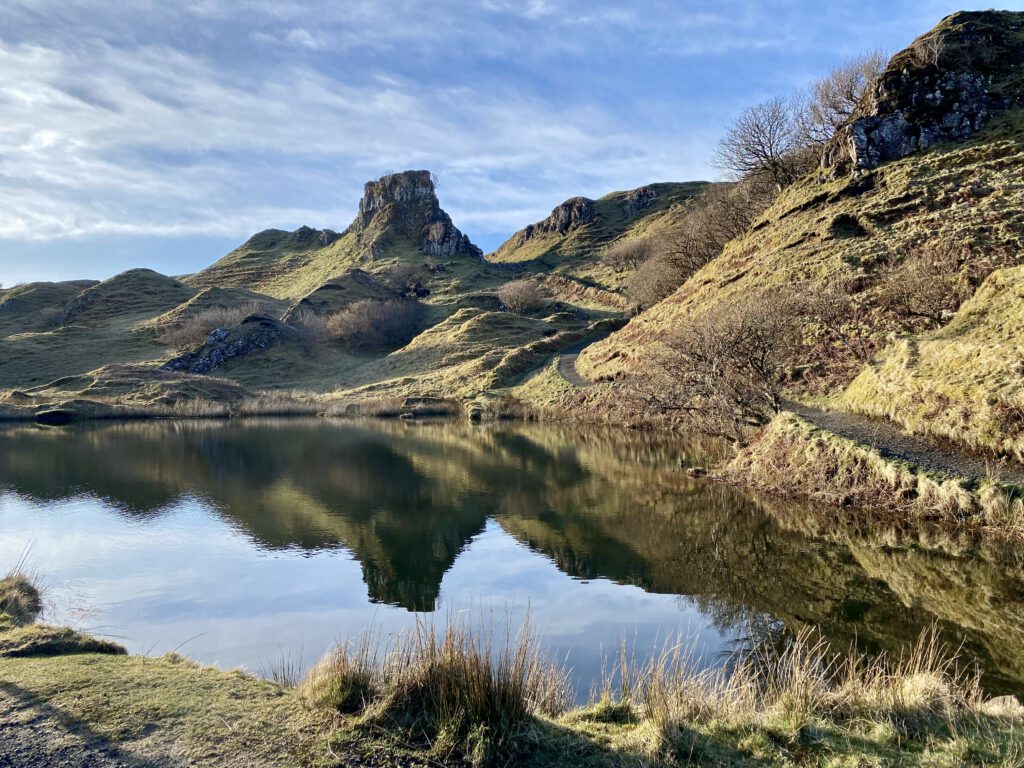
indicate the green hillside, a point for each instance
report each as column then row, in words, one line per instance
column 570, row 240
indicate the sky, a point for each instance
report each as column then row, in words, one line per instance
column 163, row 133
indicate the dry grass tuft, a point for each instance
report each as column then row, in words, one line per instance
column 461, row 693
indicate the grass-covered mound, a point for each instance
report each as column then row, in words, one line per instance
column 571, row 239
column 963, row 382
column 795, row 458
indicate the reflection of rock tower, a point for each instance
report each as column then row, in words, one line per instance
column 405, row 204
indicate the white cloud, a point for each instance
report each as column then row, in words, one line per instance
column 101, row 139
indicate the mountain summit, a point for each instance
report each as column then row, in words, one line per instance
column 405, row 205
column 400, row 219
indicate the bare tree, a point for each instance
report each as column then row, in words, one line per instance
column 928, row 50
column 831, row 100
column 522, row 297
column 763, row 143
column 725, row 369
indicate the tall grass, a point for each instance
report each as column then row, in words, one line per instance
column 917, row 695
column 21, row 594
column 460, row 692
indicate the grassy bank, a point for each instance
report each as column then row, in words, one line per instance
column 792, row 457
column 469, row 696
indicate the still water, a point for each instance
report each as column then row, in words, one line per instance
column 240, row 543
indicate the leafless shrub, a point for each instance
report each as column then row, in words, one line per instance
column 839, row 318
column 374, row 325
column 831, row 100
column 193, row 330
column 409, row 279
column 721, row 213
column 930, row 284
column 927, row 51
column 654, row 280
column 627, row 255
column 522, row 296
column 724, row 370
column 312, row 327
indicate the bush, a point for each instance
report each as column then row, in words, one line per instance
column 930, row 284
column 626, row 255
column 312, row 327
column 373, row 324
column 20, row 600
column 724, row 370
column 192, row 331
column 522, row 296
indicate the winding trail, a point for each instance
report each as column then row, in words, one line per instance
column 889, row 440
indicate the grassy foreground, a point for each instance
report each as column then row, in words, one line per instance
column 462, row 697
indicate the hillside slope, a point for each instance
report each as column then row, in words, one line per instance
column 570, row 240
column 963, row 382
column 850, row 232
column 400, row 220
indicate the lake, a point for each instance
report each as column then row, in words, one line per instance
column 239, row 543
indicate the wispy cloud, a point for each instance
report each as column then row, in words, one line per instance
column 180, row 118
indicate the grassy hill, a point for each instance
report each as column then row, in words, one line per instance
column 963, row 382
column 570, row 240
column 852, row 232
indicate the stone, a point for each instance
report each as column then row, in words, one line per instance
column 637, row 200
column 406, row 203
column 920, row 100
column 255, row 333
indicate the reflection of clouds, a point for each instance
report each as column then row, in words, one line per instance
column 188, row 576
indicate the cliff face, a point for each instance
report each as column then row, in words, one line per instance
column 406, row 204
column 944, row 87
column 572, row 214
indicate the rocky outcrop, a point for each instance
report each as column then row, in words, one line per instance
column 406, row 204
column 254, row 334
column 944, row 87
column 638, row 199
column 572, row 214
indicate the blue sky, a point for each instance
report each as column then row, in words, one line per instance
column 162, row 133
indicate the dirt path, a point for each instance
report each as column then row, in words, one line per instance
column 31, row 738
column 891, row 442
column 886, row 437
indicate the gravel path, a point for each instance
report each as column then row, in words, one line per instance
column 891, row 442
column 31, row 737
column 886, row 437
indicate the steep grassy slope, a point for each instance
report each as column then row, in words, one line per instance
column 101, row 325
column 570, row 239
column 963, row 382
column 852, row 233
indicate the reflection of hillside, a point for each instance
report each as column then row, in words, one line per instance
column 406, row 500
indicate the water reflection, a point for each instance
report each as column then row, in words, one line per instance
column 236, row 512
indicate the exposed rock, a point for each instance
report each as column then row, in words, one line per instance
column 406, row 204
column 572, row 214
column 254, row 334
column 638, row 199
column 944, row 87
